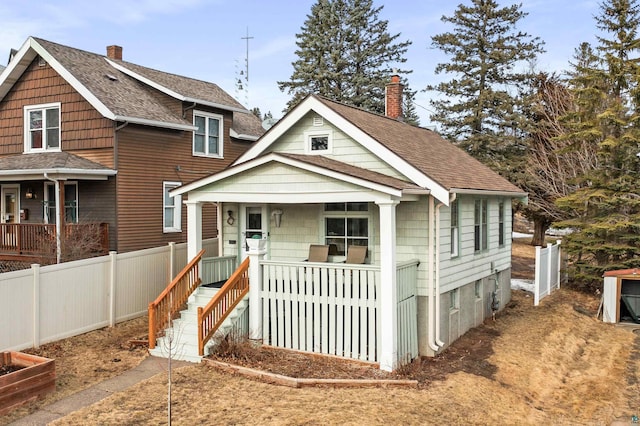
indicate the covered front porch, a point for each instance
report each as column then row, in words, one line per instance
column 363, row 311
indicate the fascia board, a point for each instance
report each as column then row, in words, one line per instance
column 15, row 68
column 242, row 136
column 69, row 78
column 154, row 123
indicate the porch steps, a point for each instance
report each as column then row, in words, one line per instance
column 182, row 337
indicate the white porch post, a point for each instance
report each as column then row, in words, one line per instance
column 255, row 284
column 194, row 228
column 388, row 290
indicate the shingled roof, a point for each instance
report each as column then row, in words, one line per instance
column 124, row 91
column 425, row 150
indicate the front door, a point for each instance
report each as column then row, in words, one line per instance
column 9, row 206
column 253, row 225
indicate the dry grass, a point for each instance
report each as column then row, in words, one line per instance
column 552, row 364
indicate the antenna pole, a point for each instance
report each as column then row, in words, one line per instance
column 246, row 60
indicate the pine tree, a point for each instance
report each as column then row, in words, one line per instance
column 345, row 53
column 606, row 208
column 481, row 109
column 409, row 114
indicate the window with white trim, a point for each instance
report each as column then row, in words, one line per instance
column 42, row 127
column 478, row 289
column 480, row 225
column 346, row 224
column 318, row 142
column 455, row 229
column 70, row 202
column 172, row 212
column 454, row 300
column 501, row 224
column 207, row 138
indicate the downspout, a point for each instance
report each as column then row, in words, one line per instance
column 452, row 198
column 431, row 284
column 116, row 162
column 58, row 230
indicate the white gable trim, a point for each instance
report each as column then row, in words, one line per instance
column 313, row 104
column 274, row 157
column 168, row 91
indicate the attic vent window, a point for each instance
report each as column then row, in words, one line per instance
column 318, row 142
column 111, row 77
column 41, row 61
column 318, row 121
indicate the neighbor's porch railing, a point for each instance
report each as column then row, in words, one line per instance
column 38, row 240
column 216, row 269
column 218, row 309
column 173, row 297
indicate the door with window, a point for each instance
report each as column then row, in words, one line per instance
column 253, row 225
column 70, row 202
column 10, row 213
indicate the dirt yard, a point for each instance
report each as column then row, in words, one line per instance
column 552, row 364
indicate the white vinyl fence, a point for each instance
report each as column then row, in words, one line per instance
column 48, row 303
column 548, row 272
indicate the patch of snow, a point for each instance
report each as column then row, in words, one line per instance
column 521, row 235
column 520, row 284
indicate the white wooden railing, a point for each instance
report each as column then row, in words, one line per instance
column 215, row 269
column 406, row 280
column 334, row 308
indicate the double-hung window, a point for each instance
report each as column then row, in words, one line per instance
column 346, row 224
column 480, row 225
column 207, row 138
column 501, row 224
column 42, row 127
column 172, row 212
column 70, row 202
column 455, row 230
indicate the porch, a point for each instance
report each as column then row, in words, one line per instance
column 326, row 308
column 37, row 242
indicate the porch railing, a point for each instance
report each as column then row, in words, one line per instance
column 329, row 308
column 171, row 300
column 38, row 240
column 216, row 269
column 211, row 317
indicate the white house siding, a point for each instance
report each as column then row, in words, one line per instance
column 412, row 236
column 299, row 228
column 344, row 149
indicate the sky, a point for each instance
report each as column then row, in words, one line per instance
column 206, row 39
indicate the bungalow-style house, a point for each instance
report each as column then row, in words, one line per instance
column 330, row 182
column 92, row 139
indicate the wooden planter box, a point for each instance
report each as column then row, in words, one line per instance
column 24, row 385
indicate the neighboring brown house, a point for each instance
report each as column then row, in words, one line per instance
column 110, row 138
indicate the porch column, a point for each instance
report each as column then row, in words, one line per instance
column 255, row 285
column 194, row 228
column 388, row 290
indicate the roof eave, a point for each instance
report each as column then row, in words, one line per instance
column 155, row 123
column 34, row 174
column 466, row 191
column 243, row 136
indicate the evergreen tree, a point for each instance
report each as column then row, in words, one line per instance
column 481, row 109
column 345, row 53
column 605, row 209
column 409, row 114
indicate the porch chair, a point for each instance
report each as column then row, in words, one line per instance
column 318, row 253
column 356, row 254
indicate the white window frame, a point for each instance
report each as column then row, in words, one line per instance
column 206, row 153
column 501, row 225
column 454, row 210
column 345, row 215
column 454, row 300
column 176, row 206
column 308, row 139
column 27, row 127
column 480, row 225
column 478, row 289
column 46, row 203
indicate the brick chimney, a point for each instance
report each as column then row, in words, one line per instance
column 393, row 98
column 114, row 52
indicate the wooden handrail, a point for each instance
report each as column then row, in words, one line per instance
column 173, row 297
column 213, row 315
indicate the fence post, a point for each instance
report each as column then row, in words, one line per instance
column 549, row 265
column 255, row 287
column 558, row 242
column 36, row 304
column 112, row 288
column 536, row 288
